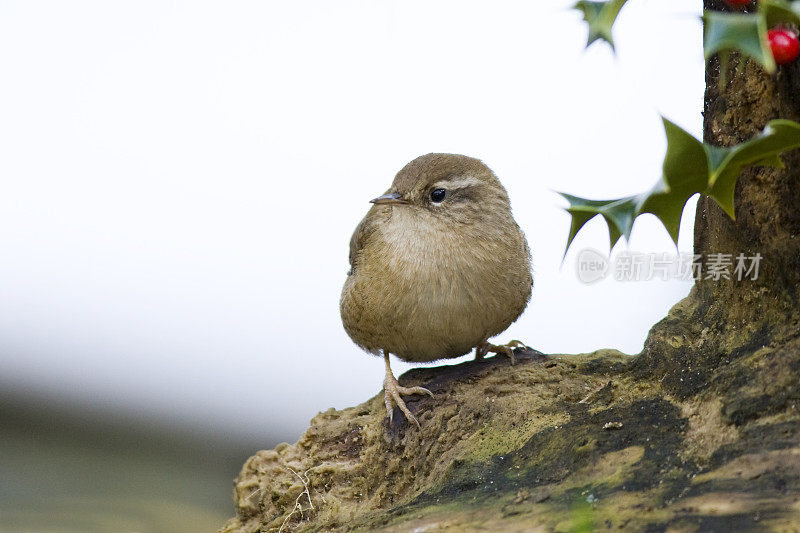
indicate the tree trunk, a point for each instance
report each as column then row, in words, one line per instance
column 728, row 319
column 701, row 431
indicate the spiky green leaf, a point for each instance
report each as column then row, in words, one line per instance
column 777, row 12
column 684, row 173
column 762, row 150
column 601, row 17
column 690, row 167
column 746, row 33
column 617, row 213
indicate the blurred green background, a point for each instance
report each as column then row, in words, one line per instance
column 63, row 470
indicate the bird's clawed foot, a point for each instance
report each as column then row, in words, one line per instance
column 392, row 394
column 508, row 349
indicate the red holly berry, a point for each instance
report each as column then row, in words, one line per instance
column 784, row 45
column 737, row 3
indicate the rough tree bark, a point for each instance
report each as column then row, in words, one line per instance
column 700, row 431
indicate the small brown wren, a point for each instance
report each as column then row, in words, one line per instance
column 437, row 267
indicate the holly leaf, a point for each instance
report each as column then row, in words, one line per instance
column 618, row 214
column 746, row 33
column 601, row 17
column 762, row 150
column 690, row 167
column 777, row 12
column 684, row 173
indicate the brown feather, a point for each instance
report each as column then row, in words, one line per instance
column 431, row 281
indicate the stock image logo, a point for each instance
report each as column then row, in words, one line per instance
column 592, row 266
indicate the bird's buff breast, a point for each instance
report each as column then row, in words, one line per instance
column 423, row 295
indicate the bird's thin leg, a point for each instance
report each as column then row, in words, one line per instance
column 507, row 349
column 392, row 391
column 481, row 350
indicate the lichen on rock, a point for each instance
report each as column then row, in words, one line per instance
column 557, row 444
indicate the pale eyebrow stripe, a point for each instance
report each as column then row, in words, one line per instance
column 457, row 183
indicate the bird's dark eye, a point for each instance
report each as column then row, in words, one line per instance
column 437, row 195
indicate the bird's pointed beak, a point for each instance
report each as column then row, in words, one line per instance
column 392, row 198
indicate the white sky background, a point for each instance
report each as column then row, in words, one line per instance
column 180, row 181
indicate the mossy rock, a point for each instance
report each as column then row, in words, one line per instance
column 566, row 443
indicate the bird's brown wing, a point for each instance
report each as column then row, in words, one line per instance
column 360, row 237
